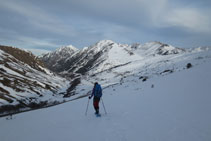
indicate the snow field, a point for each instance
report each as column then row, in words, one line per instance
column 176, row 108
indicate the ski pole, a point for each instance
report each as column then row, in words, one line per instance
column 104, row 106
column 87, row 107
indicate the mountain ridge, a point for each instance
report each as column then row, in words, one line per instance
column 81, row 57
column 106, row 62
column 55, row 58
column 25, row 83
column 110, row 63
column 169, row 107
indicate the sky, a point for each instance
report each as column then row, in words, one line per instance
column 44, row 25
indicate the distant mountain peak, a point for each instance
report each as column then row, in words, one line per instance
column 105, row 42
column 62, row 51
column 66, row 48
column 54, row 58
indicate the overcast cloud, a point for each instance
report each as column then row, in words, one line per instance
column 46, row 25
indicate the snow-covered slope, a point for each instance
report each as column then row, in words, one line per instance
column 120, row 55
column 110, row 63
column 118, row 62
column 174, row 107
column 25, row 83
column 151, row 92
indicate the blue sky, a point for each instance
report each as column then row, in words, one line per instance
column 44, row 25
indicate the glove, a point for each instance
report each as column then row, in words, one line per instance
column 90, row 97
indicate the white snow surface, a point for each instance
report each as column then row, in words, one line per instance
column 151, row 59
column 174, row 107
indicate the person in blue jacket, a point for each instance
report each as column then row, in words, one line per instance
column 97, row 93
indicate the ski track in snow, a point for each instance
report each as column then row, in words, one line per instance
column 176, row 109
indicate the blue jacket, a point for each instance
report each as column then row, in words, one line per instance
column 97, row 91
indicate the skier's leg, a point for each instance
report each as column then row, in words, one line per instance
column 95, row 106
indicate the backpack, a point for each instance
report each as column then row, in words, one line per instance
column 98, row 91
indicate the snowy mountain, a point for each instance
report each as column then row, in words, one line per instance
column 54, row 60
column 111, row 63
column 176, row 108
column 25, row 83
column 104, row 55
column 151, row 92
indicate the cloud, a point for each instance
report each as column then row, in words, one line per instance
column 49, row 24
column 147, row 13
column 38, row 17
column 30, row 43
column 127, row 12
column 189, row 18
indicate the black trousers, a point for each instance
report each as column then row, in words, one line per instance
column 96, row 101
